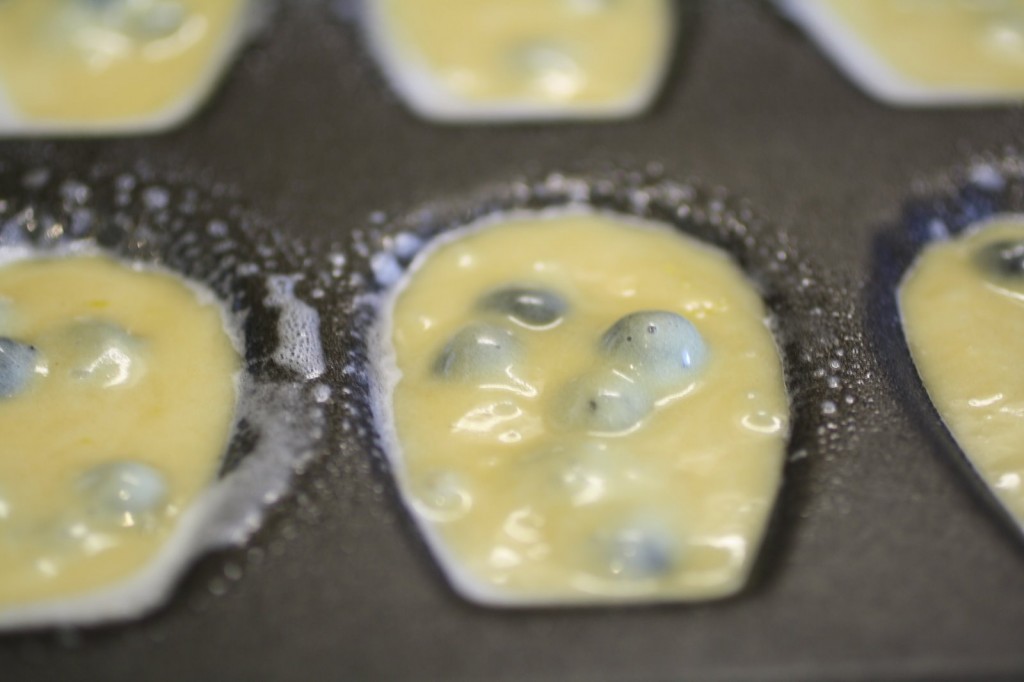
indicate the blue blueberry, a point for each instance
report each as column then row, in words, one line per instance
column 639, row 551
column 654, row 345
column 603, row 402
column 479, row 351
column 123, row 492
column 527, row 306
column 17, row 366
column 98, row 352
column 143, row 19
column 161, row 18
column 444, row 496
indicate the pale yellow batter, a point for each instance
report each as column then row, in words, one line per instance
column 965, row 44
column 94, row 61
column 549, row 459
column 117, row 398
column 567, row 53
column 962, row 306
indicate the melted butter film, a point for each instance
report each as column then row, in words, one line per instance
column 588, row 410
column 966, row 44
column 962, row 306
column 117, row 398
column 566, row 52
column 108, row 60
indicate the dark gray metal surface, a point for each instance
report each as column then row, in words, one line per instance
column 886, row 567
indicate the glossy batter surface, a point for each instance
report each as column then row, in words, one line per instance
column 113, row 424
column 108, row 60
column 973, row 45
column 535, row 51
column 962, row 306
column 551, row 459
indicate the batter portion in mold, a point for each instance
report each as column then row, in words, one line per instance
column 962, row 306
column 485, row 59
column 117, row 400
column 583, row 408
column 920, row 51
column 88, row 62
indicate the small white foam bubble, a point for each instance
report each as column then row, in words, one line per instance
column 337, row 261
column 298, row 328
column 74, row 192
column 987, row 176
column 406, row 245
column 125, row 183
column 156, row 198
column 14, row 232
column 386, row 269
column 321, row 393
column 80, row 221
column 217, row 228
column 937, row 229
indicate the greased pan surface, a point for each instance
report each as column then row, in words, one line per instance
column 884, row 563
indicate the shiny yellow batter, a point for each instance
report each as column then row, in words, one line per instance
column 968, row 44
column 524, row 496
column 963, row 316
column 119, row 426
column 540, row 51
column 90, row 61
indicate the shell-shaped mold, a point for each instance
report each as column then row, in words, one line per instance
column 921, row 53
column 515, row 60
column 115, row 67
column 548, row 500
column 254, row 276
column 947, row 292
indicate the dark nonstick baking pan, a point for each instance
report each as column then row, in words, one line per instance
column 883, row 562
